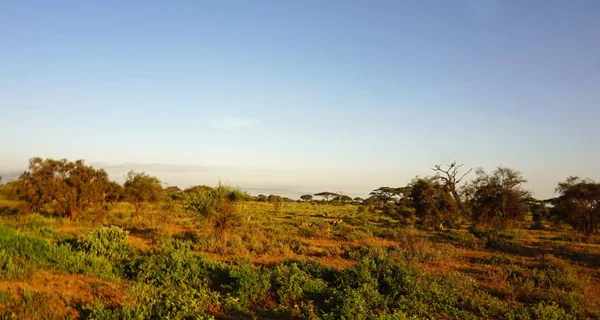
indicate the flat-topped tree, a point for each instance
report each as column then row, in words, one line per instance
column 384, row 194
column 343, row 198
column 326, row 195
column 346, row 199
column 306, row 197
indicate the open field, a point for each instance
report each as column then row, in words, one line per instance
column 292, row 260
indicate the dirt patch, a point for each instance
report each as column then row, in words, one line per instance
column 64, row 290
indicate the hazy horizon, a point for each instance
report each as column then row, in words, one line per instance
column 303, row 97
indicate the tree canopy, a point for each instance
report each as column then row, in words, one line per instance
column 306, row 197
column 64, row 187
column 432, row 202
column 578, row 204
column 326, row 195
column 141, row 188
column 499, row 199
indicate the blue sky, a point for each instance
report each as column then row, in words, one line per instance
column 303, row 96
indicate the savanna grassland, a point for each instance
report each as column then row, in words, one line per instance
column 141, row 252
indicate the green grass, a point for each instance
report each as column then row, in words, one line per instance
column 300, row 261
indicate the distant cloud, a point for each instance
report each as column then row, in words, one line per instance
column 158, row 167
column 230, row 123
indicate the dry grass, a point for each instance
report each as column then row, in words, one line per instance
column 335, row 236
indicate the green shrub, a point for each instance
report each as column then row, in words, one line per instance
column 173, row 263
column 292, row 285
column 249, row 284
column 549, row 311
column 12, row 268
column 108, row 242
column 64, row 258
column 20, row 253
column 148, row 302
column 355, row 252
column 463, row 239
column 22, row 245
column 217, row 207
column 358, row 303
column 314, row 269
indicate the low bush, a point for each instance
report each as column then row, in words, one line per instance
column 217, row 207
column 108, row 242
column 464, row 239
column 295, row 286
column 147, row 302
column 247, row 283
column 65, row 258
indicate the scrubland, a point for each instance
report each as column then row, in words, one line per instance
column 286, row 260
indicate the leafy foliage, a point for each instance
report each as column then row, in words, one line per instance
column 218, row 207
column 64, row 187
column 499, row 200
column 432, row 202
column 140, row 188
column 107, row 242
column 579, row 204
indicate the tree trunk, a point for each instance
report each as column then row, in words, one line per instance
column 72, row 214
column 459, row 203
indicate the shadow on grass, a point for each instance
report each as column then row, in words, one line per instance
column 537, row 249
column 8, row 211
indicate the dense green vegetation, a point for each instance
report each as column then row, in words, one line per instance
column 73, row 244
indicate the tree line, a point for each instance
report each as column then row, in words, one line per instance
column 494, row 199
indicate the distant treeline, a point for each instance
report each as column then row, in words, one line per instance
column 494, row 199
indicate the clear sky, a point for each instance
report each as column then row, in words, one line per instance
column 303, row 96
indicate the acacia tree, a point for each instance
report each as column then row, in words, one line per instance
column 384, row 194
column 578, row 204
column 499, row 200
column 432, row 202
column 306, row 197
column 346, row 199
column 451, row 179
column 326, row 195
column 140, row 188
column 64, row 187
